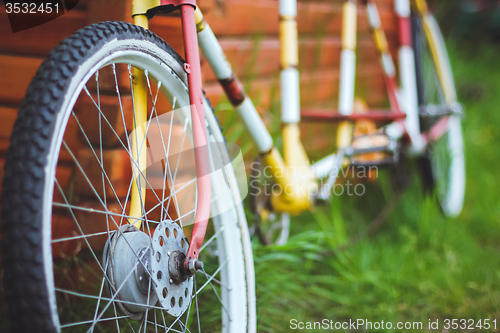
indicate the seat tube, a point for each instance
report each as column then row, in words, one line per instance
column 192, row 68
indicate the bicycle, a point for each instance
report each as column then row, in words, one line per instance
column 141, row 251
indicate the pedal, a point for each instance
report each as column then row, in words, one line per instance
column 373, row 149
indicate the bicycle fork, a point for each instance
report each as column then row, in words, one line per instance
column 193, row 71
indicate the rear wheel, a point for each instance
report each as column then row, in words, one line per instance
column 73, row 261
column 443, row 165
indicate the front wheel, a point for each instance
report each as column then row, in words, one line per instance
column 76, row 259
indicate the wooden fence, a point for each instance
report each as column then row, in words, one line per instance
column 247, row 31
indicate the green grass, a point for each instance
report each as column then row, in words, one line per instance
column 419, row 265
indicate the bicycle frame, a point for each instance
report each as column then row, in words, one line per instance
column 402, row 118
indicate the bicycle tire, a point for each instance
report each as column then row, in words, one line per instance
column 30, row 178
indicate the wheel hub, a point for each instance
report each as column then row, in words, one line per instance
column 172, row 284
column 127, row 262
column 131, row 258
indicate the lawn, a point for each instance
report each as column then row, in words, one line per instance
column 418, row 266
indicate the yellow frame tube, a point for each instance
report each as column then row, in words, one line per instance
column 293, row 151
column 349, row 18
column 289, row 42
column 200, row 22
column 290, row 199
column 141, row 7
column 138, row 196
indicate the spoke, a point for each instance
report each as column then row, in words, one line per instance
column 172, row 325
column 101, row 313
column 218, row 297
column 212, row 277
column 75, row 293
column 142, row 146
column 188, row 213
column 161, row 138
column 183, row 326
column 128, row 322
column 148, row 299
column 102, row 203
column 156, row 322
column 212, row 238
column 86, row 178
column 91, row 321
column 79, row 237
column 125, row 126
column 177, row 167
column 117, row 323
column 163, row 201
column 167, row 329
column 91, row 210
column 187, row 315
column 117, row 136
column 197, row 309
column 79, row 227
column 92, row 251
column 220, row 283
column 114, row 296
column 163, row 317
column 126, row 136
column 100, row 294
column 167, row 164
column 100, row 160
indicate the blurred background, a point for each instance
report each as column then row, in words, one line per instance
column 387, row 255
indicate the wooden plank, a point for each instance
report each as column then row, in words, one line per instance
column 111, row 129
column 314, row 54
column 64, row 176
column 118, row 170
column 239, row 17
column 8, row 116
column 20, row 70
column 380, row 3
column 109, row 10
column 40, row 40
column 120, row 10
column 16, row 76
column 97, row 222
column 108, row 81
column 315, row 87
column 64, row 227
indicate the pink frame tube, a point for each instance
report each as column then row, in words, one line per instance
column 192, row 68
